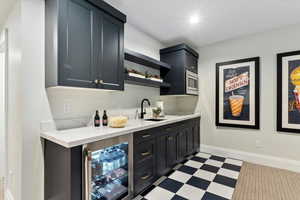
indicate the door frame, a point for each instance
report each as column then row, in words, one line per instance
column 4, row 48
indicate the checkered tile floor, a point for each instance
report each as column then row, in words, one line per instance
column 201, row 177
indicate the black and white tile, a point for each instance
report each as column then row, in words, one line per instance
column 201, row 177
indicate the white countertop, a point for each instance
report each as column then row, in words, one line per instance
column 79, row 136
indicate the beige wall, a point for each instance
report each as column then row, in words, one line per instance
column 266, row 45
column 5, row 10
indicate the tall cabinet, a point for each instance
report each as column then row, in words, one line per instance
column 182, row 58
column 84, row 44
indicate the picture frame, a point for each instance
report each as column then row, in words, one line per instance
column 237, row 93
column 288, row 97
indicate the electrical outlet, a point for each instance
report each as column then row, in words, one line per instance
column 67, row 107
column 258, row 144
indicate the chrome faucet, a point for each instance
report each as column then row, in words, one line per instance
column 142, row 107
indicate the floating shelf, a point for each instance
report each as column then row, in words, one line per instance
column 145, row 60
column 145, row 82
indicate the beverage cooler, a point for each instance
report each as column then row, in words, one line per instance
column 108, row 169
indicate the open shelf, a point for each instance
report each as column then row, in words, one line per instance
column 145, row 60
column 145, row 82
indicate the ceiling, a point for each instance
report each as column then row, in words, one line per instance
column 168, row 20
column 6, row 6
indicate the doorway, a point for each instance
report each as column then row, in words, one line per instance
column 3, row 109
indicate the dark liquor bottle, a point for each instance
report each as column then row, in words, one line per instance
column 97, row 119
column 104, row 119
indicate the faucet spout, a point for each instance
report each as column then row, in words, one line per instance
column 142, row 107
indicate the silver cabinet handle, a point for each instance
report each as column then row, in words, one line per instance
column 145, row 136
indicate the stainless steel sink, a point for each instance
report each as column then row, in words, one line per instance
column 155, row 120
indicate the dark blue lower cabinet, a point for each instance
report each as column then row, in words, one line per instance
column 156, row 152
column 63, row 172
column 171, row 143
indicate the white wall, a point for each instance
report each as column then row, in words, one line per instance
column 2, row 106
column 138, row 41
column 35, row 105
column 266, row 45
column 13, row 24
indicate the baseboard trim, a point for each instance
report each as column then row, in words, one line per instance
column 266, row 160
column 8, row 195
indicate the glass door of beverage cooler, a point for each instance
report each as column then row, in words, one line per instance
column 108, row 169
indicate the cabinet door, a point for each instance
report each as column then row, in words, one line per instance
column 111, row 67
column 196, row 135
column 181, row 145
column 76, row 44
column 190, row 142
column 171, row 150
column 162, row 165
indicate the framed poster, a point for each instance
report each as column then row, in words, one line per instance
column 288, row 92
column 237, row 93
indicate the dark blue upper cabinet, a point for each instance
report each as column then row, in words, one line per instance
column 112, row 54
column 184, row 62
column 76, row 44
column 84, row 45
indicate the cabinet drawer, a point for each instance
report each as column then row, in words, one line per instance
column 144, row 150
column 144, row 176
column 144, row 135
column 170, row 128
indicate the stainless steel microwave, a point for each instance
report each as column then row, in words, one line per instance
column 192, row 80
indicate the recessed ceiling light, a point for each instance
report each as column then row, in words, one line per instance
column 194, row 19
